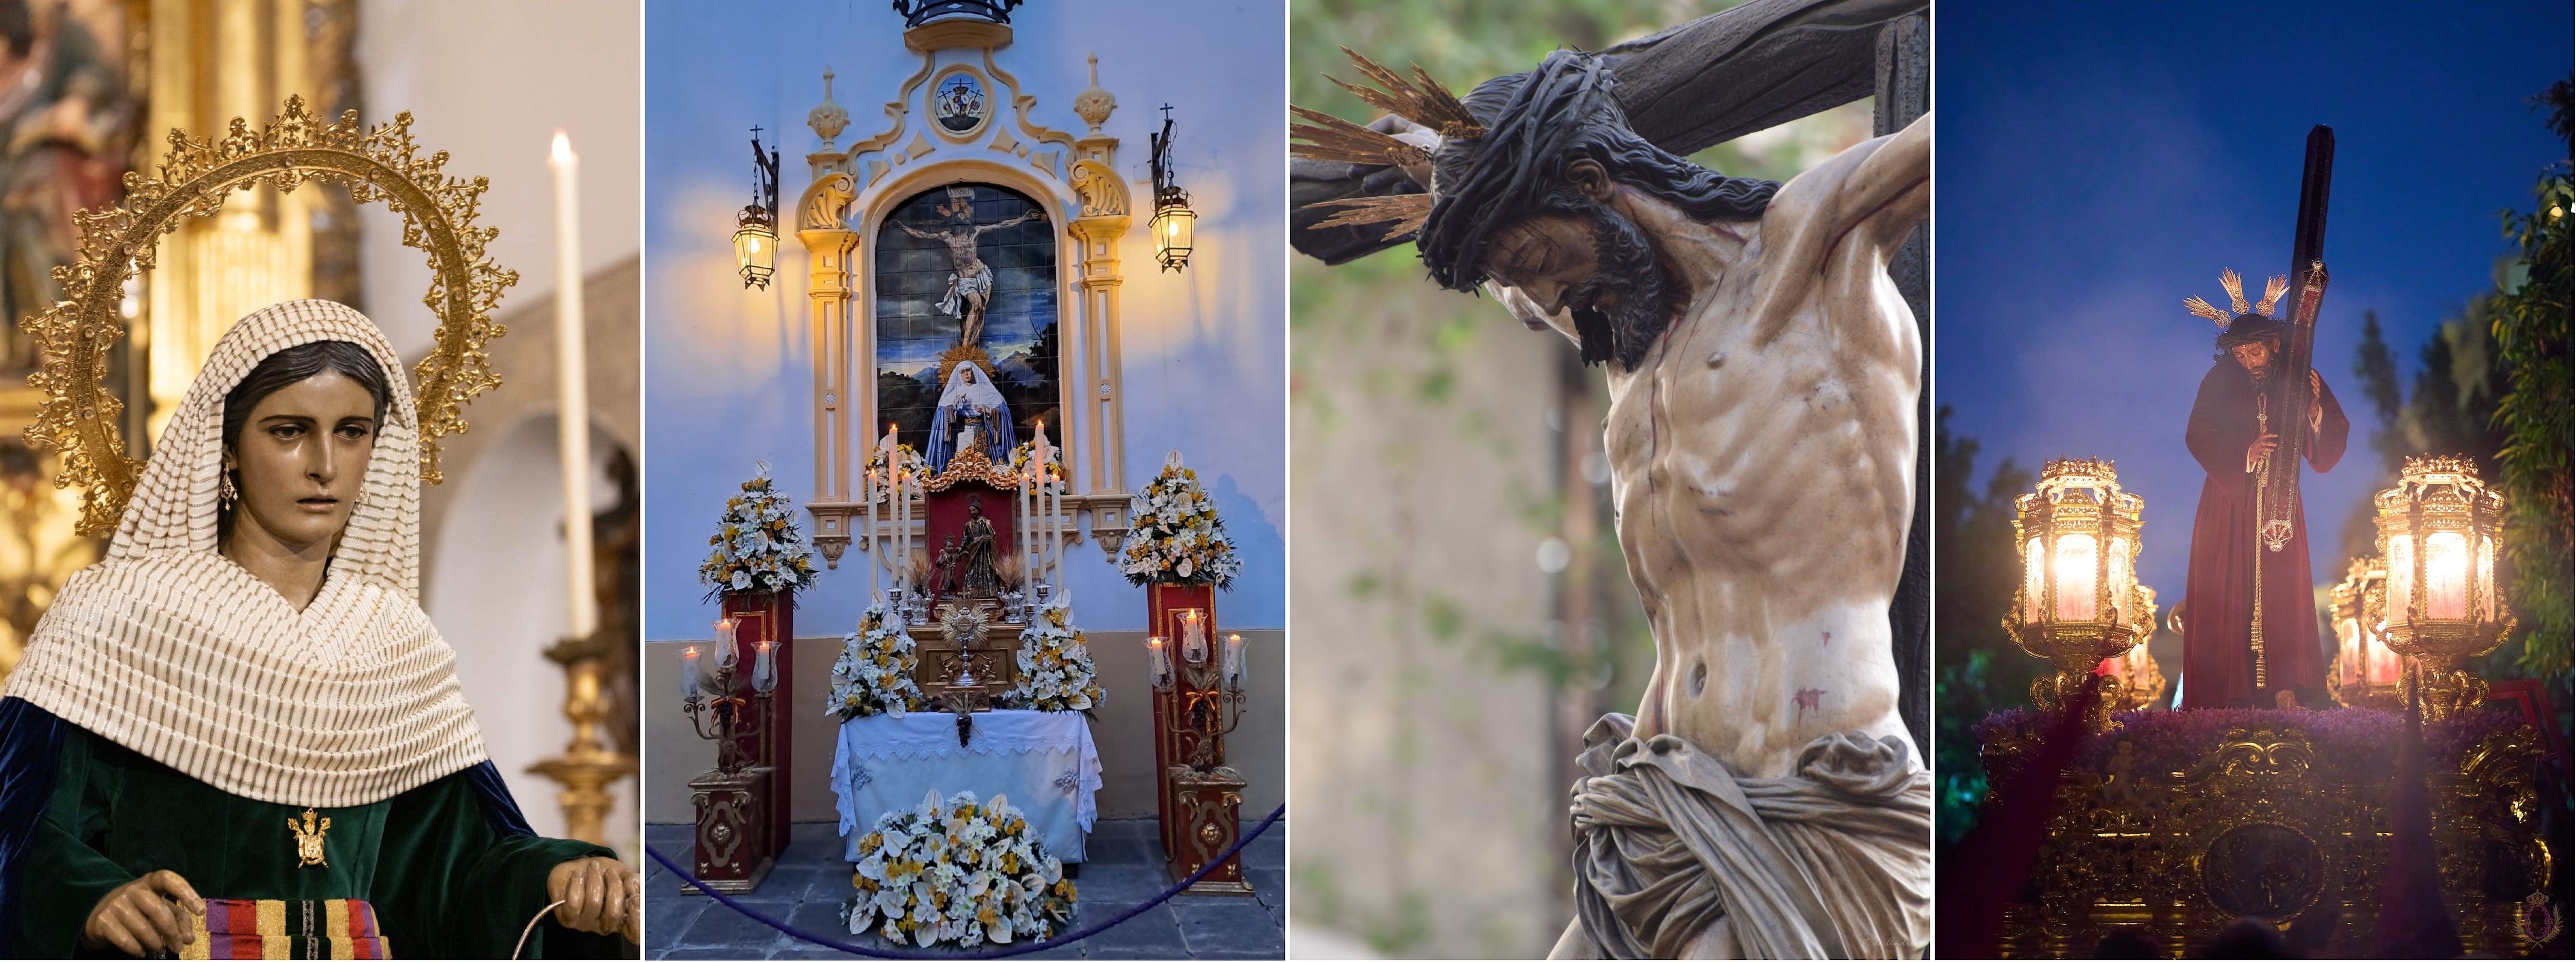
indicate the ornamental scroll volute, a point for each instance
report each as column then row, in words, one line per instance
column 379, row 164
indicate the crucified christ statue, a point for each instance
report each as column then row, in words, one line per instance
column 970, row 283
column 1765, row 800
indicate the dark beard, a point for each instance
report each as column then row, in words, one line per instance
column 1629, row 268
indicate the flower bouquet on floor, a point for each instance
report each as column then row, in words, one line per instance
column 874, row 673
column 1056, row 673
column 758, row 547
column 1176, row 537
column 955, row 872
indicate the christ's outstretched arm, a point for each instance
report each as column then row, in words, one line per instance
column 1025, row 216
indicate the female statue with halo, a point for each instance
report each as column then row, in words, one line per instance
column 969, row 399
column 252, row 650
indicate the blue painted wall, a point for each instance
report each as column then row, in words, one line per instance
column 729, row 371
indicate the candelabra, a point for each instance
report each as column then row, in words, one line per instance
column 1199, row 699
column 2437, row 530
column 2079, row 602
column 736, row 825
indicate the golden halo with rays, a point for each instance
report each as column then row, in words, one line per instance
column 381, row 163
column 2234, row 284
column 1423, row 101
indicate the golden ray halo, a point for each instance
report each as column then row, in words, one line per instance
column 381, row 163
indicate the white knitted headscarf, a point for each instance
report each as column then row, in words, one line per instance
column 172, row 650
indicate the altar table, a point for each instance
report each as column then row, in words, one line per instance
column 1043, row 761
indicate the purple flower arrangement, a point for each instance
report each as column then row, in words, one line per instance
column 2352, row 745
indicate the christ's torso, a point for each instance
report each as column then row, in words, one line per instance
column 1762, row 469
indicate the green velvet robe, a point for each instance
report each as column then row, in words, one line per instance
column 445, row 883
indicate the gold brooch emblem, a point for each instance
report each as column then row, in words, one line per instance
column 308, row 839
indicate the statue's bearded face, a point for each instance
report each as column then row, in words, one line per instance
column 2255, row 357
column 1583, row 259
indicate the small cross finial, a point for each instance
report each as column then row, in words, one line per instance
column 1095, row 68
column 827, row 85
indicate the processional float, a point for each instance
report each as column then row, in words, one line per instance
column 2174, row 830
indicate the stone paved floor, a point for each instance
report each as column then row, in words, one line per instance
column 1126, row 868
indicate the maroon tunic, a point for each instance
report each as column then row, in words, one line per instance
column 2218, row 610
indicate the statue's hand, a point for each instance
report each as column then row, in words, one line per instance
column 141, row 917
column 599, row 895
column 2260, row 449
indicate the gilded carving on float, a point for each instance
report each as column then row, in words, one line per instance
column 79, row 417
column 2280, row 818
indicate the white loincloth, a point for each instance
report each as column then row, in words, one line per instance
column 1833, row 861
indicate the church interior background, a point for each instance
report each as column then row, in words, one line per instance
column 94, row 87
column 1024, row 145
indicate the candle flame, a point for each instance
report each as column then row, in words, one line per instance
column 563, row 149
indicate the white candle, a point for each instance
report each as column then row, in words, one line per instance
column 764, row 672
column 727, row 653
column 1193, row 638
column 868, row 514
column 1027, row 535
column 689, row 672
column 572, row 398
column 1234, row 662
column 1159, row 663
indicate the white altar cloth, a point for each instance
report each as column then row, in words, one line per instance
column 1044, row 761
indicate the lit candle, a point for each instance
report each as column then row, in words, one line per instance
column 1160, row 663
column 764, row 672
column 689, row 672
column 1194, row 644
column 2077, row 588
column 868, row 515
column 1234, row 662
column 572, row 398
column 727, row 653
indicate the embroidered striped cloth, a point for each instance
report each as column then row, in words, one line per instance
column 172, row 650
column 281, row 929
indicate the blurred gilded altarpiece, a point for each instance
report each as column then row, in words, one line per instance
column 88, row 90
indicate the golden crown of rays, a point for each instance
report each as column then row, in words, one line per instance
column 1421, row 100
column 2235, row 285
column 378, row 164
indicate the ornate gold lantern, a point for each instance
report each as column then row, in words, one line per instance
column 755, row 233
column 1173, row 221
column 2437, row 530
column 2366, row 671
column 2079, row 601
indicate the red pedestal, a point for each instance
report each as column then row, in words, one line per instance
column 1197, row 795
column 768, row 616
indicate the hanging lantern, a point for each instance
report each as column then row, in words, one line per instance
column 2366, row 671
column 2437, row 530
column 755, row 233
column 2079, row 602
column 1173, row 221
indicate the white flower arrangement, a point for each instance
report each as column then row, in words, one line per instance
column 1176, row 537
column 876, row 467
column 874, row 673
column 957, row 872
column 758, row 546
column 1056, row 673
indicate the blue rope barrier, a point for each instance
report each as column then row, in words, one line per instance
column 1001, row 953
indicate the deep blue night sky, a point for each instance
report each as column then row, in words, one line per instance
column 2098, row 162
